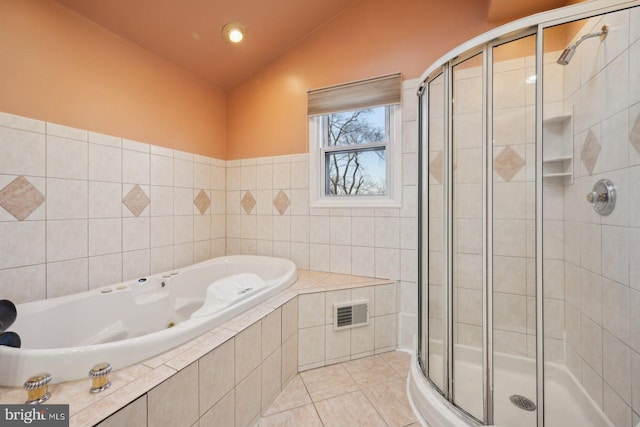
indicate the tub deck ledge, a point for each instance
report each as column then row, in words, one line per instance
column 128, row 384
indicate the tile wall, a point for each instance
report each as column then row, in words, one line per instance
column 602, row 253
column 323, row 345
column 268, row 214
column 79, row 210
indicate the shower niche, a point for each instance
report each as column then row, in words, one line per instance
column 524, row 292
column 557, row 165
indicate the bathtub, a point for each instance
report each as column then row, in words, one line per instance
column 129, row 322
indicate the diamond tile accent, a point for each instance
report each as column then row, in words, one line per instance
column 202, row 202
column 634, row 136
column 248, row 202
column 136, row 200
column 20, row 198
column 435, row 168
column 508, row 163
column 281, row 202
column 590, row 151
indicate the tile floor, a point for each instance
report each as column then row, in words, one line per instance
column 364, row 392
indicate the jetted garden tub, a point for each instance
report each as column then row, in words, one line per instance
column 126, row 323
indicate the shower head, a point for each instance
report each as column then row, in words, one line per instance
column 567, row 54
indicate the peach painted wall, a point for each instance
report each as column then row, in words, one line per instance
column 57, row 66
column 267, row 113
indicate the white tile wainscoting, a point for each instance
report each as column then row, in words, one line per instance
column 80, row 210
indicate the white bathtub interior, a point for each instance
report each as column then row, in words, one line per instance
column 128, row 322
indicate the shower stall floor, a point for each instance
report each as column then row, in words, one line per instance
column 566, row 403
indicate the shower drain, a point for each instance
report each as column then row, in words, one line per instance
column 522, row 402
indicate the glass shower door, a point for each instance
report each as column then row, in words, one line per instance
column 436, row 248
column 467, row 235
column 513, row 84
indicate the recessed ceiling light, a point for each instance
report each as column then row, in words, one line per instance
column 233, row 32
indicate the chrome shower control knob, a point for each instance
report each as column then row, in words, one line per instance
column 594, row 197
column 37, row 388
column 602, row 197
column 100, row 377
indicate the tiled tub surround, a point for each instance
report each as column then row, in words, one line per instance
column 80, row 210
column 229, row 375
column 323, row 345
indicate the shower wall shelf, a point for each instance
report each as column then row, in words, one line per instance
column 561, row 118
column 557, row 162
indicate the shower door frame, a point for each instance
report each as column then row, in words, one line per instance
column 484, row 45
column 446, row 71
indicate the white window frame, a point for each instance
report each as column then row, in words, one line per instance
column 317, row 168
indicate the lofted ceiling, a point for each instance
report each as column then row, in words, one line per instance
column 189, row 32
column 507, row 10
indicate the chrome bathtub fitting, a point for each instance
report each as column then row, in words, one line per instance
column 99, row 375
column 37, row 388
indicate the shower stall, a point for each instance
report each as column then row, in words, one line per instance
column 529, row 272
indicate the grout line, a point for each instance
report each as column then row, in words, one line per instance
column 375, row 408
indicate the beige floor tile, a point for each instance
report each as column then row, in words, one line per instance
column 399, row 360
column 370, row 371
column 302, row 416
column 328, row 381
column 348, row 410
column 294, row 395
column 390, row 400
column 365, row 392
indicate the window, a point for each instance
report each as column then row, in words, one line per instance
column 355, row 152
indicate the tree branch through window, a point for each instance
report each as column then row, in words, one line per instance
column 357, row 169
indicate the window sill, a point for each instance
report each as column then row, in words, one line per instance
column 356, row 203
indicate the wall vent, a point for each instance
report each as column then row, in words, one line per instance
column 350, row 314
